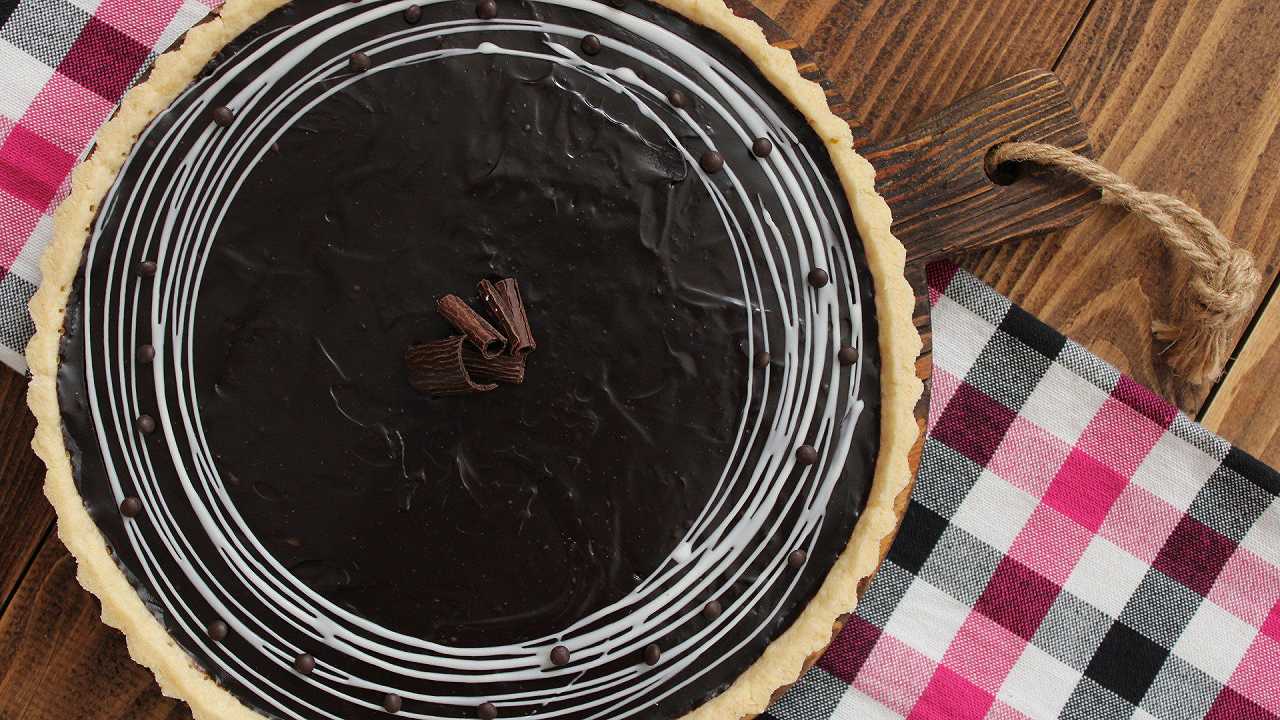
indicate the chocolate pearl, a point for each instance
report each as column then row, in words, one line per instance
column 819, row 277
column 413, row 14
column 806, row 455
column 392, row 703
column 652, row 654
column 677, row 98
column 763, row 359
column 591, row 45
column 217, row 631
column 711, row 161
column 131, row 507
column 761, row 147
column 359, row 62
column 712, row 610
column 147, row 269
column 222, row 116
column 559, row 655
column 304, row 664
column 146, row 354
column 486, row 711
column 146, row 424
column 487, row 9
column 848, row 355
column 796, row 558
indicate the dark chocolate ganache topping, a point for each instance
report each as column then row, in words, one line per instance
column 622, row 534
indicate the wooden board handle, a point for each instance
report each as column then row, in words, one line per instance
column 935, row 180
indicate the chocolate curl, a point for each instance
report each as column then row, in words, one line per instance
column 504, row 301
column 436, row 368
column 503, row 369
column 476, row 329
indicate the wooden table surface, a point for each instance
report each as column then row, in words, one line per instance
column 1180, row 96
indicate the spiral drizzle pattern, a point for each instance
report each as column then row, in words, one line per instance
column 174, row 218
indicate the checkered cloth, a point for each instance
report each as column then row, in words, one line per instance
column 1074, row 547
column 64, row 65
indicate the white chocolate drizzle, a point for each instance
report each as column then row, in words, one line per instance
column 747, row 507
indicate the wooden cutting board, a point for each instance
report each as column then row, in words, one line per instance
column 945, row 198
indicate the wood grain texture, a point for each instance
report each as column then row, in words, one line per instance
column 57, row 659
column 25, row 515
column 897, row 61
column 1182, row 97
column 1245, row 408
column 936, row 177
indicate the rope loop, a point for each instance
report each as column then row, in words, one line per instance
column 1219, row 297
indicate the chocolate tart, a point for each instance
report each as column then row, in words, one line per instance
column 660, row 511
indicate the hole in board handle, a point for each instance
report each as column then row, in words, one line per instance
column 1003, row 174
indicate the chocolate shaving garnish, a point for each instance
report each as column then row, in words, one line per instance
column 436, row 368
column 503, row 369
column 504, row 301
column 476, row 329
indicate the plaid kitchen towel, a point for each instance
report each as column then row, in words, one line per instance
column 1074, row 548
column 64, row 65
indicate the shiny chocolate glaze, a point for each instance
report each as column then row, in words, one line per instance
column 504, row 519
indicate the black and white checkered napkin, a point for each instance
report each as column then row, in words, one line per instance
column 1074, row 548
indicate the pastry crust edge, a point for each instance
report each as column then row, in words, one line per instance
column 783, row 660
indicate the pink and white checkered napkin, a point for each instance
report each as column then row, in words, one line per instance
column 64, row 65
column 1073, row 548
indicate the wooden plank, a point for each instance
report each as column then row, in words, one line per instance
column 935, row 176
column 951, row 143
column 935, row 179
column 57, row 659
column 25, row 515
column 1244, row 408
column 898, row 61
column 1182, row 97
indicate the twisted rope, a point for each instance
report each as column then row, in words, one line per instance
column 1219, row 297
